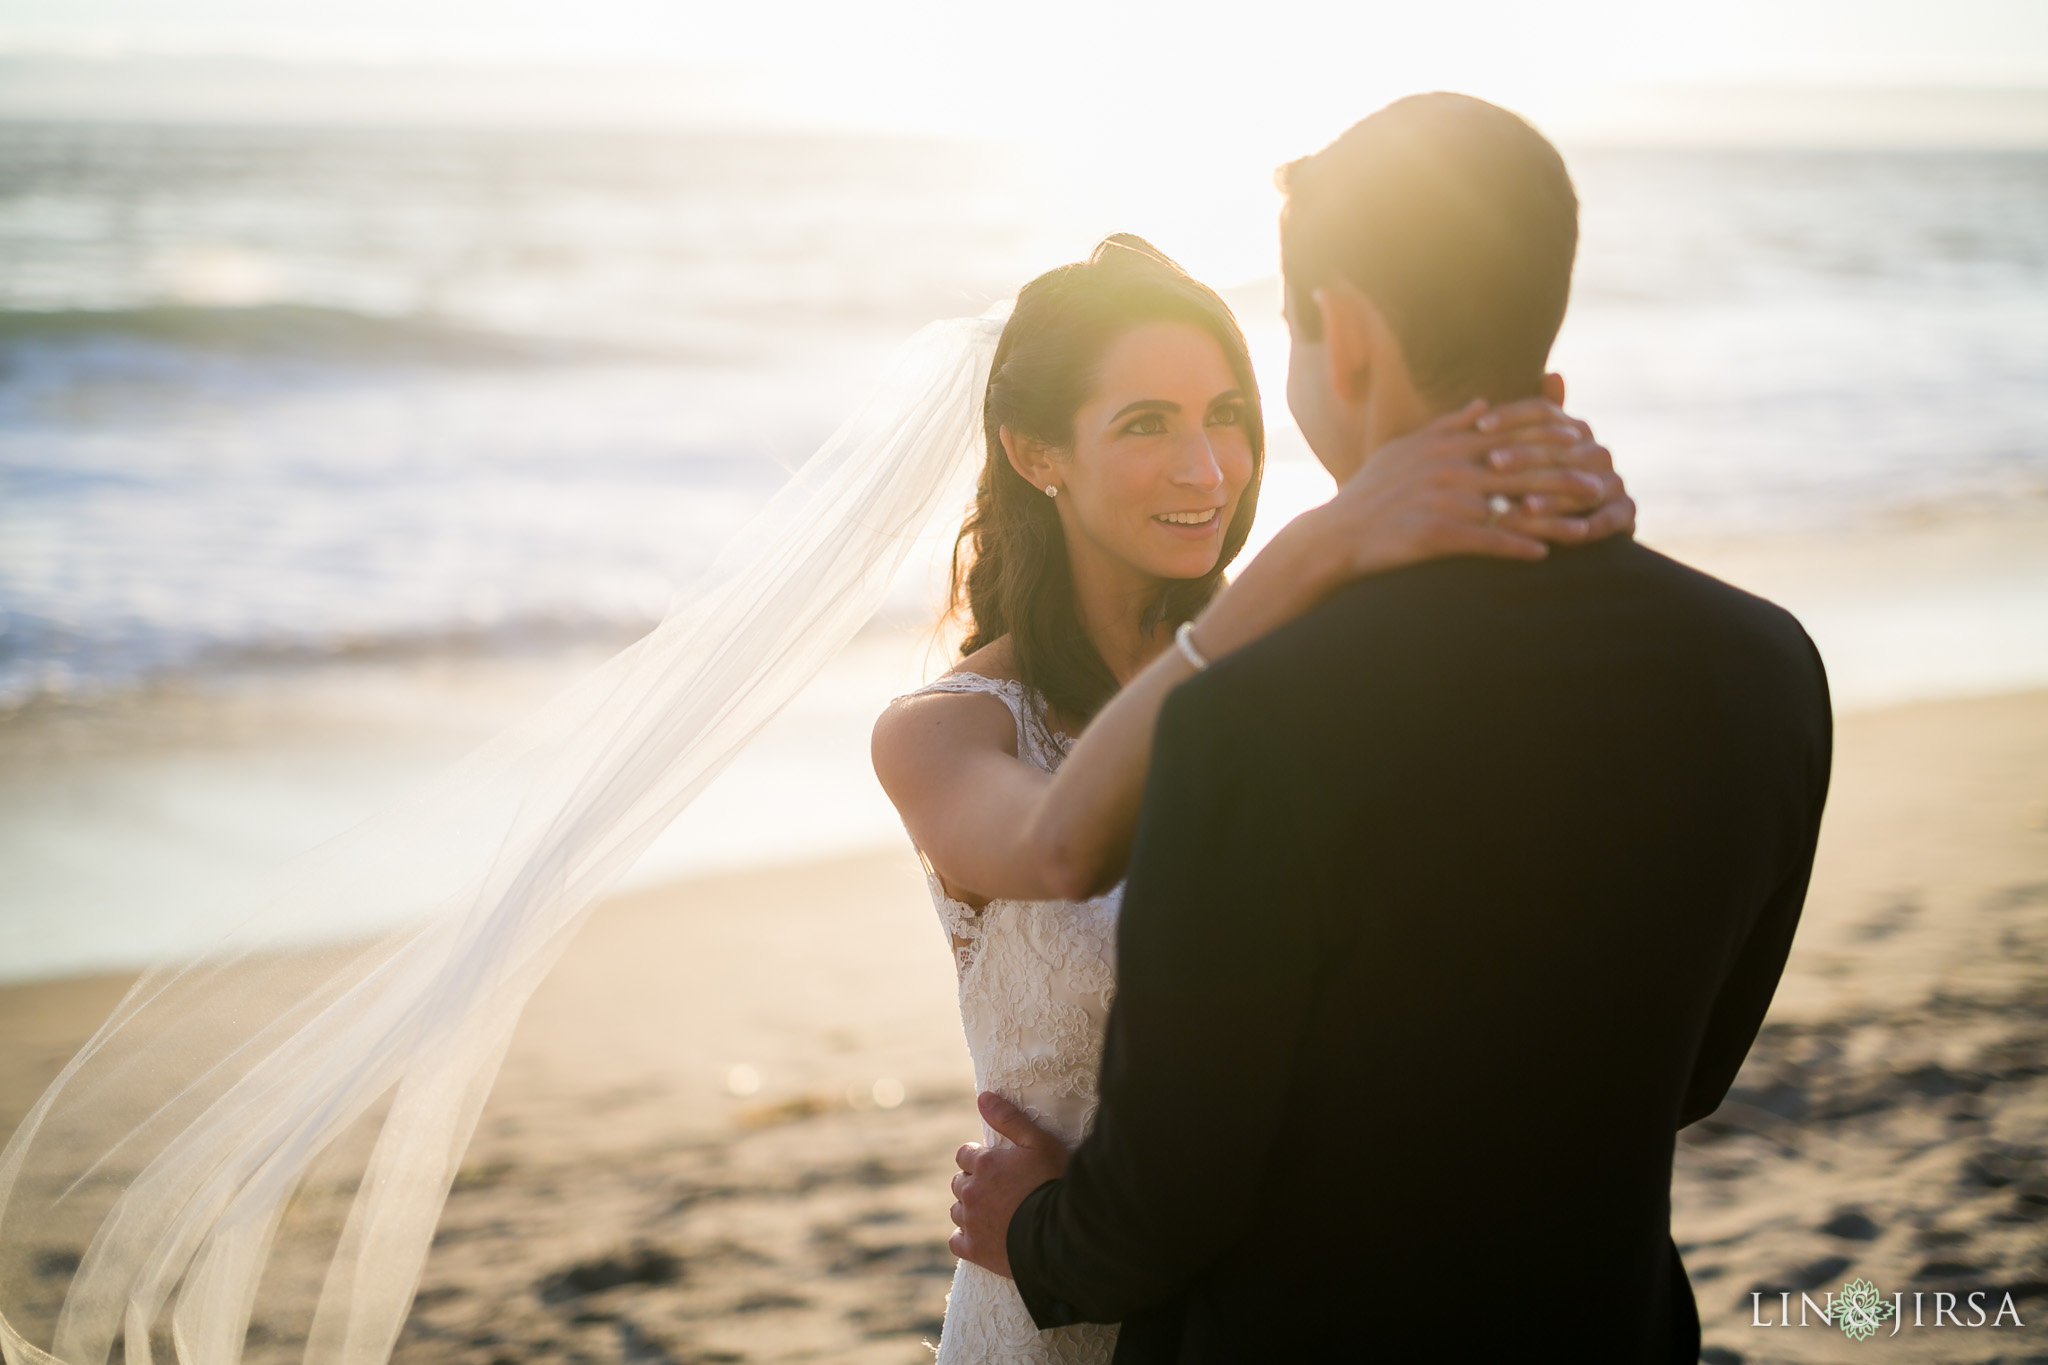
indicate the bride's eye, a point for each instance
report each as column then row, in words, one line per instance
column 1226, row 415
column 1150, row 424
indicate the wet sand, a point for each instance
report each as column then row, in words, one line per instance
column 621, row 1203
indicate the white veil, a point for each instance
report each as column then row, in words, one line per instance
column 158, row 1172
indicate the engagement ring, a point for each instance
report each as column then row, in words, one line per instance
column 1498, row 506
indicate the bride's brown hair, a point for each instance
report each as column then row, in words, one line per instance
column 1010, row 571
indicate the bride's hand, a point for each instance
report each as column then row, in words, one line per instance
column 1567, row 443
column 1506, row 482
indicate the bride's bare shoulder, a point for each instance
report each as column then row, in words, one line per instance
column 996, row 659
column 917, row 731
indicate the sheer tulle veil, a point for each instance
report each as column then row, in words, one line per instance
column 156, row 1185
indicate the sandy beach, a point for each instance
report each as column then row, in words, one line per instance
column 622, row 1202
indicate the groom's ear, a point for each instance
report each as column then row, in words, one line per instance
column 1353, row 337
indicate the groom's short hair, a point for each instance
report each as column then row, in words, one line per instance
column 1458, row 220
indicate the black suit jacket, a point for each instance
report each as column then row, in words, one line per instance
column 1450, row 904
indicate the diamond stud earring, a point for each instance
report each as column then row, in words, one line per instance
column 1052, row 490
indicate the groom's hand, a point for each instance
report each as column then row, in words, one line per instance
column 993, row 1181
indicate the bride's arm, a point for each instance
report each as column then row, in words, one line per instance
column 993, row 827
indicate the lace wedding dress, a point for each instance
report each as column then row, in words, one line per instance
column 1036, row 979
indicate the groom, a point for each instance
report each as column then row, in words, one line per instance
column 1452, row 902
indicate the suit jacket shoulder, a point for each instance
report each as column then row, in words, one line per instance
column 1439, row 615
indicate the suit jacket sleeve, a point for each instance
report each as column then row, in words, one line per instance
column 1745, row 997
column 1216, row 959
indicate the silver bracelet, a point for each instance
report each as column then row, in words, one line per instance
column 1184, row 640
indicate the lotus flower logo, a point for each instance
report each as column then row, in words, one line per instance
column 1859, row 1308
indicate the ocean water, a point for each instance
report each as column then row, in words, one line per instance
column 293, row 394
column 288, row 412
column 289, row 393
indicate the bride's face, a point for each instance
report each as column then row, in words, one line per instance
column 1160, row 455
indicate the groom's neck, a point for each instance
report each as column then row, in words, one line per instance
column 1400, row 409
column 1389, row 415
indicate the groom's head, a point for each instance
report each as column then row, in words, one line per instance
column 1428, row 256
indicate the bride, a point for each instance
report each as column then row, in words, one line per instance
column 1124, row 446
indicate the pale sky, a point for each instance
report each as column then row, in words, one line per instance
column 1276, row 73
column 1147, row 103
column 1150, row 42
column 1724, row 39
